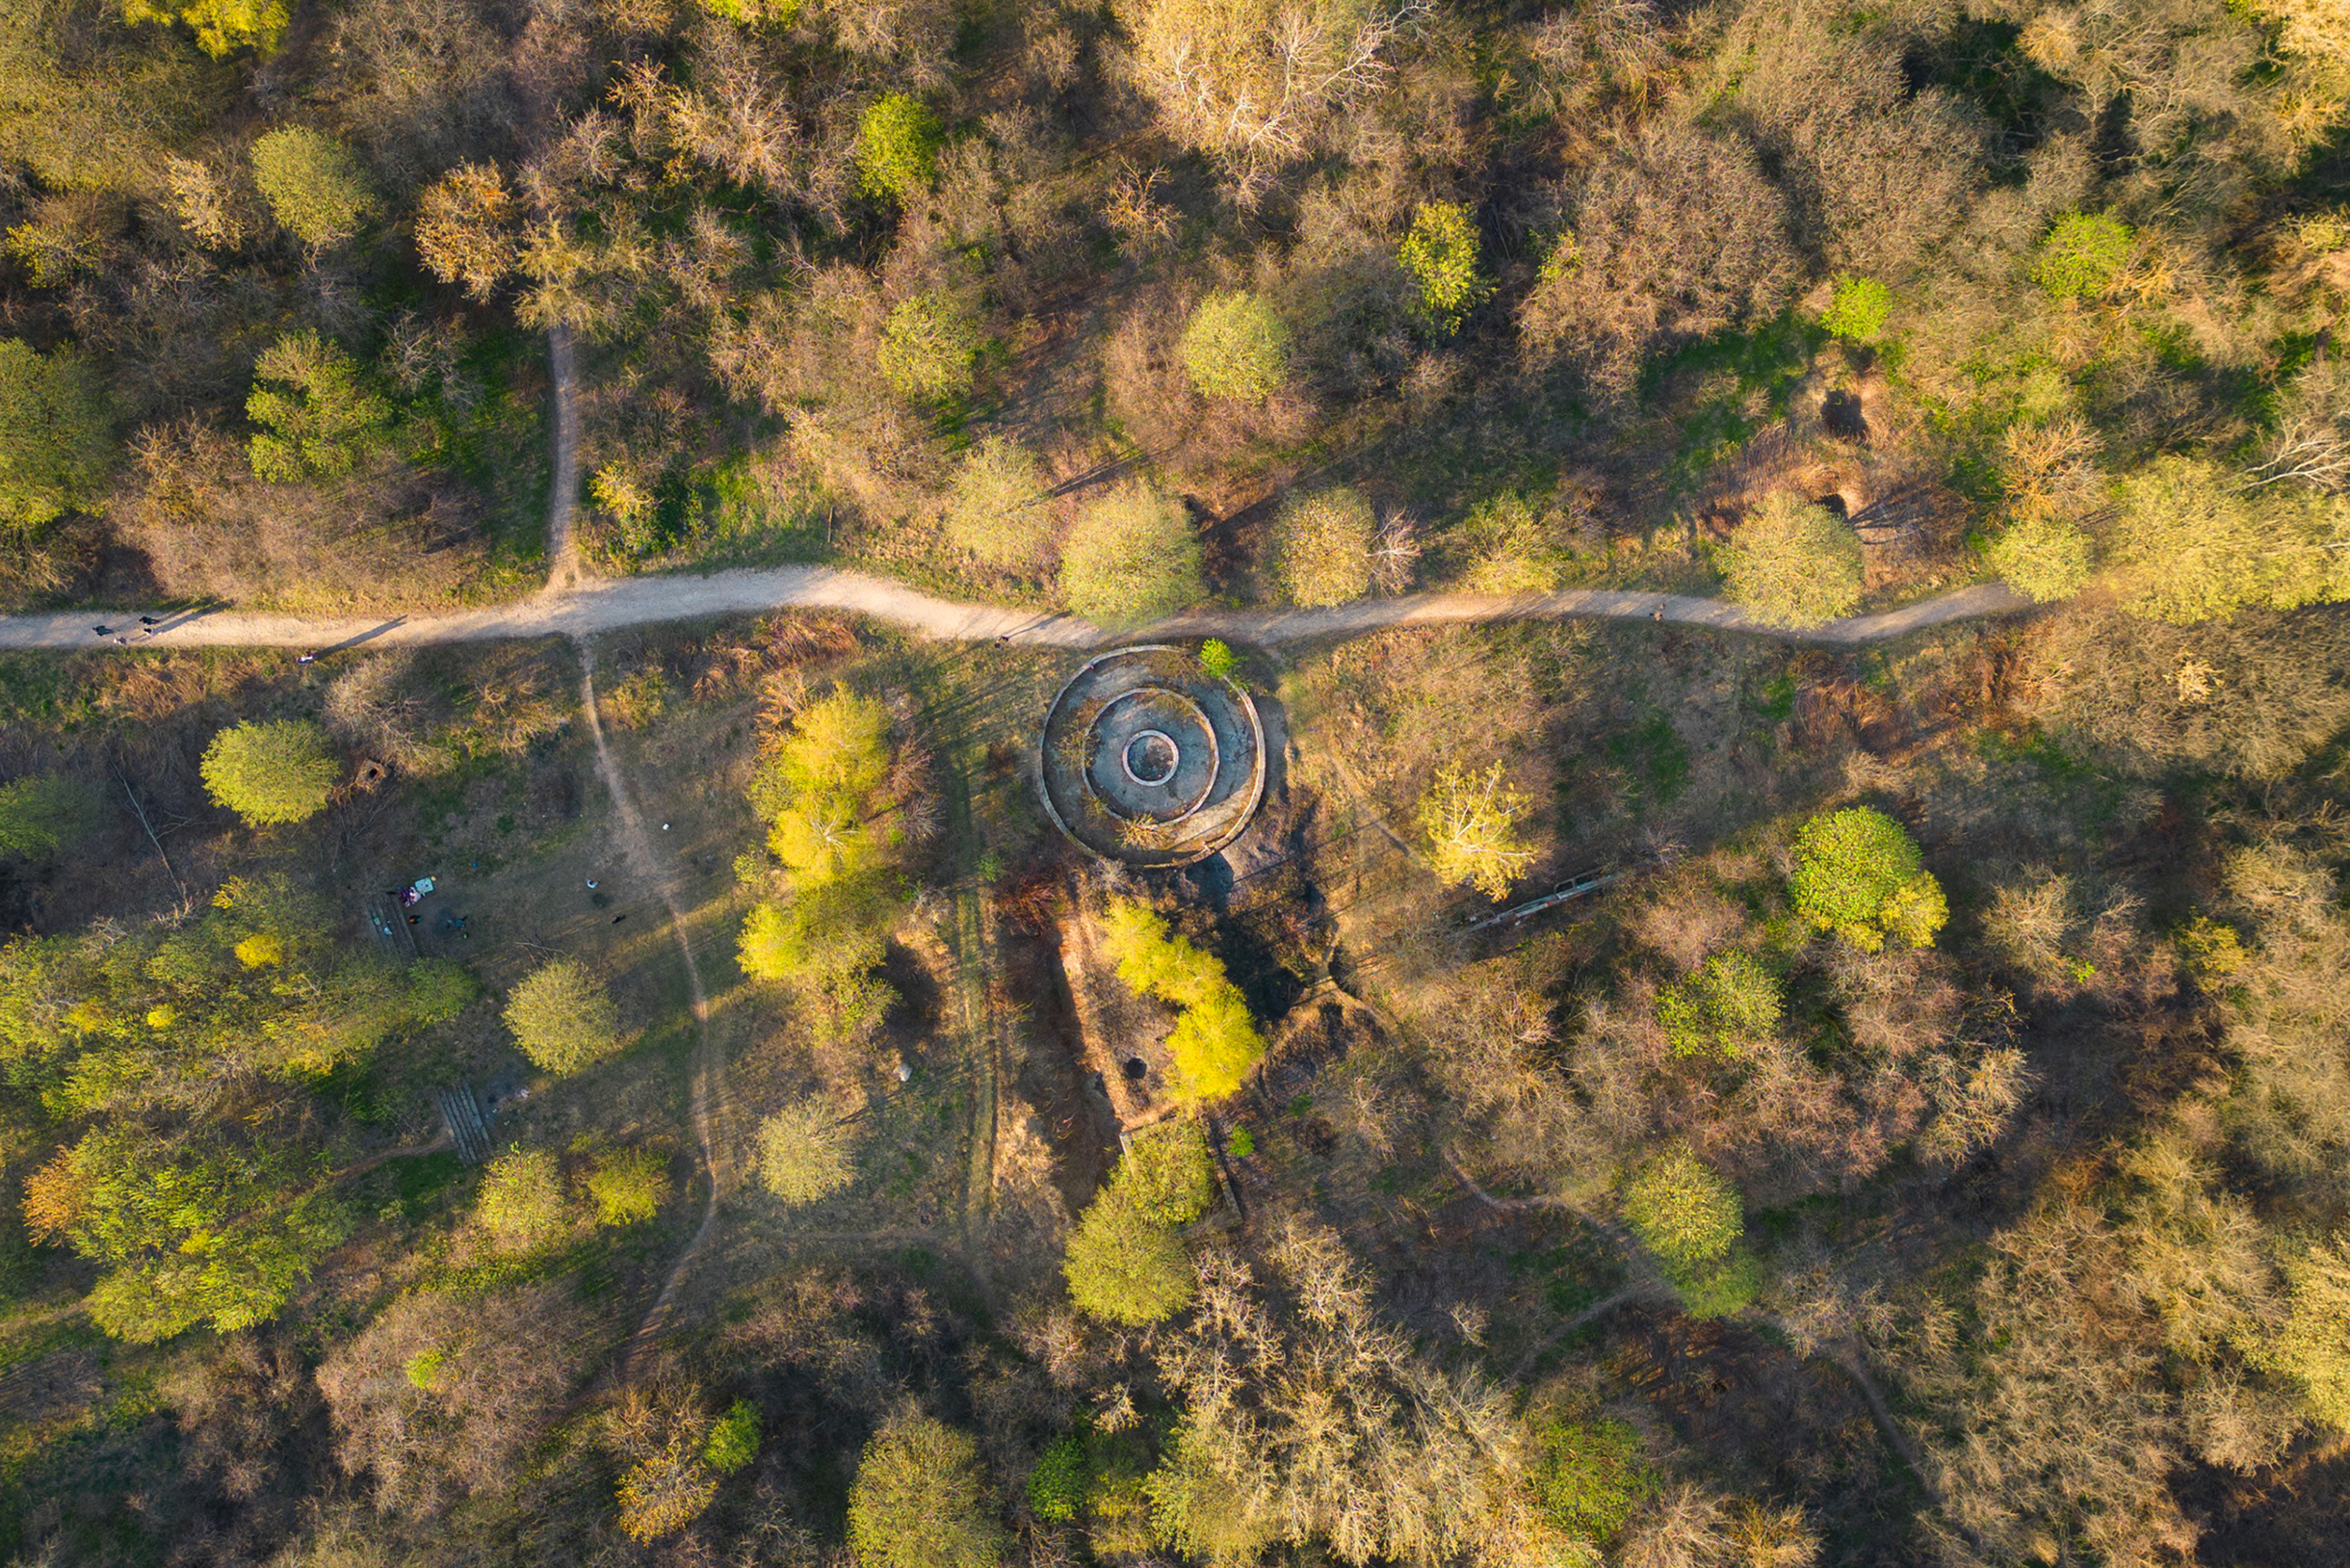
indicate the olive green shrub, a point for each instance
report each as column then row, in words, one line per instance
column 920, row 1500
column 521, row 1204
column 1857, row 309
column 1681, row 1211
column 562, row 1018
column 1124, row 1265
column 55, row 435
column 1439, row 252
column 1728, row 1003
column 998, row 509
column 2042, row 556
column 1132, row 557
column 804, row 1153
column 897, row 147
column 1318, row 551
column 43, row 816
column 1793, row 563
column 275, row 771
column 2081, row 255
column 931, row 346
column 1858, row 873
column 626, row 1186
column 1237, row 347
column 313, row 185
column 1590, row 1475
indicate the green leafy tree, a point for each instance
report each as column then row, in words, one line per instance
column 804, row 1153
column 931, row 346
column 2082, row 256
column 1214, row 1044
column 1858, row 873
column 1318, row 552
column 562, row 1018
column 897, row 147
column 1793, row 564
column 1131, row 559
column 2042, row 556
column 277, row 772
column 221, row 26
column 250, row 988
column 56, row 436
column 1218, row 658
column 43, row 816
column 1469, row 821
column 313, row 185
column 734, row 1439
column 920, row 1500
column 1720, row 1288
column 2194, row 541
column 2211, row 949
column 1441, row 255
column 317, row 419
column 1237, row 347
column 521, row 1203
column 1681, row 1211
column 1858, row 308
column 998, row 510
column 187, row 1229
column 1728, row 1003
column 1125, row 1265
column 1061, row 1482
column 626, row 1186
column 1591, row 1477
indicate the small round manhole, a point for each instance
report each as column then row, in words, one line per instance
column 1151, row 758
column 1135, row 1070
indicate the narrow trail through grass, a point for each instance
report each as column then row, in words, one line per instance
column 708, row 1067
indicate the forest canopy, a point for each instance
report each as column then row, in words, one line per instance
column 1782, row 999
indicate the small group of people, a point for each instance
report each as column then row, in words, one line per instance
column 148, row 626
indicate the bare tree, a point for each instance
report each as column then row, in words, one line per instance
column 1253, row 85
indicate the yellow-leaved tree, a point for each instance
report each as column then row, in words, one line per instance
column 221, row 26
column 1215, row 1041
column 1471, row 823
column 826, row 791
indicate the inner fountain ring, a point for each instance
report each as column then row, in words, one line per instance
column 1156, row 743
column 1169, row 712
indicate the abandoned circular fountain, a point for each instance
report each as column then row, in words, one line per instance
column 1151, row 759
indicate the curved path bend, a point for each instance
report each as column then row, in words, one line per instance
column 585, row 607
